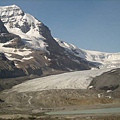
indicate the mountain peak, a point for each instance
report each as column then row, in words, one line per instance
column 33, row 32
column 11, row 11
column 14, row 6
column 10, row 7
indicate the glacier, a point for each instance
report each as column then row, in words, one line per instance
column 70, row 80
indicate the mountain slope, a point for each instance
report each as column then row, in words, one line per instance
column 100, row 59
column 7, row 67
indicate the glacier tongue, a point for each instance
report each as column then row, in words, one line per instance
column 71, row 80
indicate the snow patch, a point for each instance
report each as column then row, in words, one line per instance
column 27, row 58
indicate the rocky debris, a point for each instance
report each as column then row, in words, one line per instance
column 108, row 81
column 55, row 98
column 41, row 116
column 38, row 102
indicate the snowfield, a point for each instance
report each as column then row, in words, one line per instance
column 71, row 80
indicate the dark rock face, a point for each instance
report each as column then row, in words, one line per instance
column 107, row 81
column 2, row 28
column 15, row 41
column 8, row 37
column 1, row 100
column 52, row 44
column 5, row 36
column 24, row 28
column 61, row 60
column 65, row 63
column 8, row 69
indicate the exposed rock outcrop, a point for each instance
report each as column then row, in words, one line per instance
column 108, row 81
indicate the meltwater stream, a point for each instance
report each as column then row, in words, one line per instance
column 90, row 111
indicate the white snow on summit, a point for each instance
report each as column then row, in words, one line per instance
column 24, row 25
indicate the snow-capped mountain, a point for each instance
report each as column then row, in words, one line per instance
column 32, row 31
column 32, row 47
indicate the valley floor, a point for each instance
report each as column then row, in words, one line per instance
column 42, row 116
column 33, row 106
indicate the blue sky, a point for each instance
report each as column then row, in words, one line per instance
column 88, row 24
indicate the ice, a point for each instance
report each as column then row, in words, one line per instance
column 71, row 80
